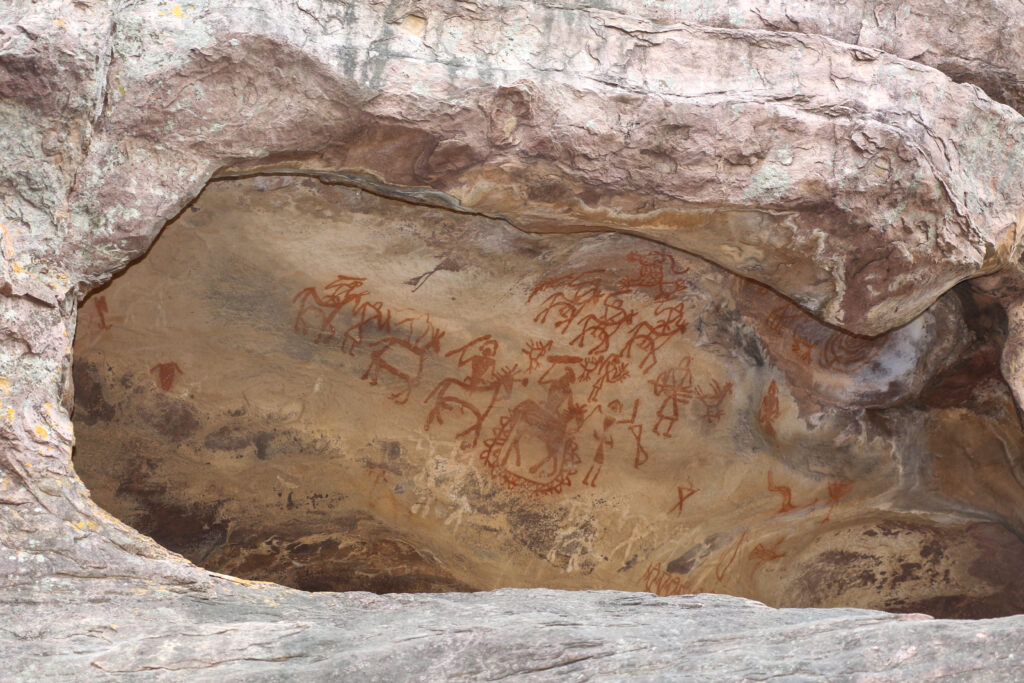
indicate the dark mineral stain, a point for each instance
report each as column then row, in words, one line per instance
column 958, row 606
column 685, row 562
column 864, row 578
column 228, row 438
column 682, row 564
column 893, row 528
column 1000, row 556
column 170, row 417
column 534, row 529
column 955, row 386
column 262, row 442
column 377, row 565
column 833, row 571
column 90, row 404
column 933, row 551
column 194, row 530
column 908, row 572
column 177, row 421
column 752, row 348
column 979, row 363
column 843, row 558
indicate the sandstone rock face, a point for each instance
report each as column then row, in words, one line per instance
column 546, row 296
column 972, row 42
column 558, row 131
column 321, row 387
column 269, row 633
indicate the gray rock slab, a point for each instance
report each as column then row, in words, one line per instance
column 233, row 632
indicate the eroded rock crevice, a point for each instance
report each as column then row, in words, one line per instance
column 309, row 384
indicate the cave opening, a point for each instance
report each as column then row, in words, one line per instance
column 315, row 385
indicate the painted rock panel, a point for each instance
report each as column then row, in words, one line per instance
column 310, row 384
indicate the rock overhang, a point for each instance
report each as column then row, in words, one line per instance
column 912, row 190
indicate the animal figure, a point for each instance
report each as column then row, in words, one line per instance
column 576, row 293
column 402, row 357
column 369, row 314
column 344, row 290
column 603, row 326
column 656, row 271
column 713, row 400
column 549, row 426
column 649, row 338
column 477, row 398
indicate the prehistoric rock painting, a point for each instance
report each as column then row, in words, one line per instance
column 166, row 374
column 605, row 435
column 401, row 354
column 787, row 496
column 713, row 400
column 102, row 310
column 770, row 410
column 543, row 415
column 545, row 431
column 401, row 338
column 660, row 582
column 647, row 338
column 837, row 490
column 812, row 342
column 675, row 387
column 764, row 554
column 684, row 492
column 568, row 412
column 607, row 325
column 468, row 401
column 728, row 556
column 339, row 293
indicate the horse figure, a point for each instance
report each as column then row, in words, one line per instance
column 476, row 398
column 654, row 266
column 651, row 338
column 403, row 357
column 310, row 302
column 342, row 291
column 553, row 431
column 604, row 326
column 369, row 314
column 583, row 290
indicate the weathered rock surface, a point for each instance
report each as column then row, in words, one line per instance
column 974, row 42
column 621, row 126
column 309, row 384
column 230, row 632
column 860, row 185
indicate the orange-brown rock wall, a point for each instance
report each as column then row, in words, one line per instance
column 314, row 385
